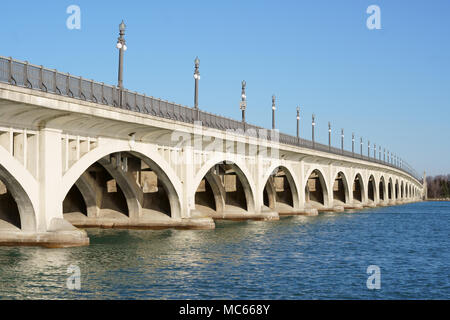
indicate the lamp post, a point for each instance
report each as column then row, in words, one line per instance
column 313, row 125
column 379, row 153
column 375, row 151
column 361, row 147
column 384, row 154
column 243, row 102
column 342, row 140
column 329, row 136
column 197, row 78
column 273, row 112
column 298, row 124
column 121, row 45
column 353, row 143
column 368, row 149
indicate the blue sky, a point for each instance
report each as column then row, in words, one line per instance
column 391, row 86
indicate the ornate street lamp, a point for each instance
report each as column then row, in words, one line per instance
column 329, row 136
column 243, row 104
column 121, row 45
column 273, row 112
column 197, row 78
column 313, row 123
column 361, row 147
column 353, row 143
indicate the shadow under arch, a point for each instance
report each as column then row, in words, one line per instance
column 316, row 191
column 26, row 219
column 340, row 189
column 381, row 189
column 371, row 189
column 402, row 190
column 225, row 186
column 280, row 191
column 390, row 189
column 358, row 188
column 396, row 191
column 129, row 188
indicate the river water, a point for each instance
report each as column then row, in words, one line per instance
column 294, row 258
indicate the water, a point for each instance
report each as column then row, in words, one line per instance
column 294, row 258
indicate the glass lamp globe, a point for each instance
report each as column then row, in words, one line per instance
column 118, row 45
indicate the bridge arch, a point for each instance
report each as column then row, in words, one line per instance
column 316, row 188
column 382, row 189
column 150, row 156
column 372, row 189
column 358, row 188
column 341, row 188
column 21, row 193
column 290, row 187
column 402, row 190
column 219, row 189
column 390, row 189
column 396, row 189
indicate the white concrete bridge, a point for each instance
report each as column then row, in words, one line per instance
column 70, row 155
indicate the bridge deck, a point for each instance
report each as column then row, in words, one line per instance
column 39, row 78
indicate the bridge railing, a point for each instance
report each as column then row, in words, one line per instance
column 50, row 80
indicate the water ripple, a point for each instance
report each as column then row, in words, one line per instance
column 322, row 257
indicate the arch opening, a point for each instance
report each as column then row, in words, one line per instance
column 278, row 193
column 16, row 208
column 315, row 190
column 402, row 191
column 381, row 187
column 224, row 188
column 340, row 189
column 122, row 185
column 358, row 189
column 74, row 202
column 390, row 189
column 371, row 189
column 396, row 190
column 9, row 211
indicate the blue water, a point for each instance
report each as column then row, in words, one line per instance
column 294, row 258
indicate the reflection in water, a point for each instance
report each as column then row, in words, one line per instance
column 294, row 258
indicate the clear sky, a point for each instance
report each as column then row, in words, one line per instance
column 391, row 86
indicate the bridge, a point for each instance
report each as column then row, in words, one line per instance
column 75, row 153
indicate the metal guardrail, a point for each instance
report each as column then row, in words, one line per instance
column 39, row 78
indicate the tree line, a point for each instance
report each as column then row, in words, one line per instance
column 438, row 187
